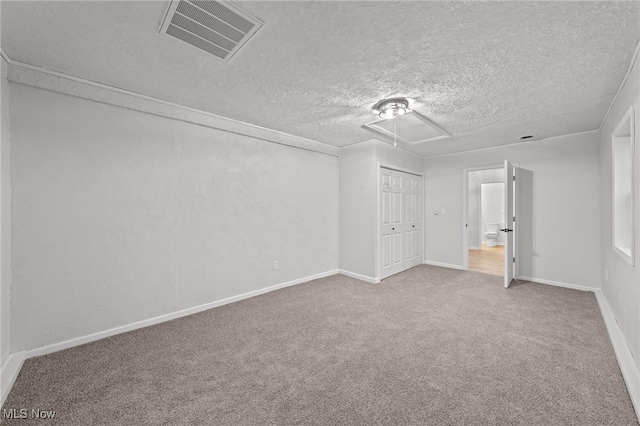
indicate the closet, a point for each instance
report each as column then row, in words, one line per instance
column 400, row 221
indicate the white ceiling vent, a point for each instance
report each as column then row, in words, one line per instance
column 411, row 128
column 217, row 27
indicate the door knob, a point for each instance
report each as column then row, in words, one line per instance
column 507, row 230
column 413, row 226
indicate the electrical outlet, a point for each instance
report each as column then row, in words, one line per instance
column 275, row 264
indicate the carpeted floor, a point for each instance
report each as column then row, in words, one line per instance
column 430, row 346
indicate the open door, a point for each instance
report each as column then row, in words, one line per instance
column 509, row 177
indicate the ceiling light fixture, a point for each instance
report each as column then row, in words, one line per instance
column 392, row 108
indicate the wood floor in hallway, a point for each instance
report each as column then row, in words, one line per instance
column 489, row 260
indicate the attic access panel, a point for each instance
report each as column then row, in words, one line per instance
column 217, row 27
column 410, row 128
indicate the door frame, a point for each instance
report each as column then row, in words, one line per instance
column 465, row 215
column 380, row 165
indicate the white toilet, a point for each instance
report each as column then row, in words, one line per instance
column 492, row 234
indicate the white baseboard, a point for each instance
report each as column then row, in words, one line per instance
column 359, row 276
column 557, row 283
column 9, row 372
column 55, row 347
column 475, row 248
column 623, row 353
column 444, row 265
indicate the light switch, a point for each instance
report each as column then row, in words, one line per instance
column 443, row 211
column 436, row 212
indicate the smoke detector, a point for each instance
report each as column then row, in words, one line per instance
column 216, row 27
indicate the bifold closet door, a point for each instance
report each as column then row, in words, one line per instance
column 391, row 228
column 412, row 197
column 400, row 221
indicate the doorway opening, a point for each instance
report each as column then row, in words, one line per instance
column 485, row 220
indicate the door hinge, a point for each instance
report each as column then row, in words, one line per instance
column 514, row 260
column 514, row 218
column 514, row 178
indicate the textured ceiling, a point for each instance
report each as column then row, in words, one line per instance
column 486, row 72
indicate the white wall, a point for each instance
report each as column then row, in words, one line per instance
column 121, row 216
column 358, row 209
column 476, row 227
column 5, row 220
column 622, row 289
column 390, row 156
column 359, row 201
column 559, row 207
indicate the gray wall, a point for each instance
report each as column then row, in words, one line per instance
column 622, row 289
column 5, row 220
column 122, row 216
column 358, row 206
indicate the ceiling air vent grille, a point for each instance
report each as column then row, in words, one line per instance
column 216, row 27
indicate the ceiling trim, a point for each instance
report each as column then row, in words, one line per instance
column 54, row 81
column 377, row 128
column 634, row 58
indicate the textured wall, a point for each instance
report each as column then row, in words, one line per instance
column 121, row 216
column 559, row 190
column 5, row 220
column 622, row 289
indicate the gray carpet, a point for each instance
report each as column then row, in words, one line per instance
column 430, row 346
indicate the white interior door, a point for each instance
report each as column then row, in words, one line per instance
column 508, row 222
column 400, row 221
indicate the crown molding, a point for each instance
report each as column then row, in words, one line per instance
column 54, row 81
column 4, row 56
